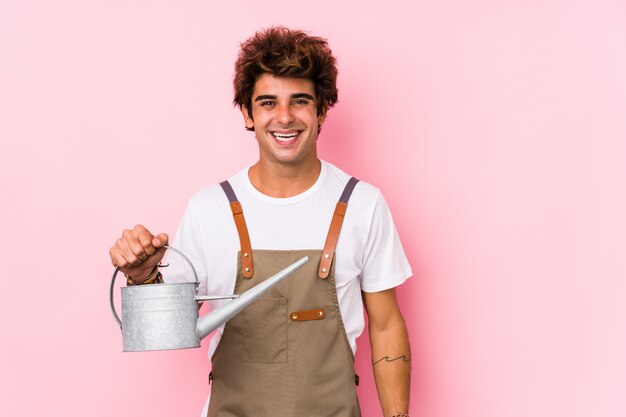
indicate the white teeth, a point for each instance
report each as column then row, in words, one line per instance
column 283, row 137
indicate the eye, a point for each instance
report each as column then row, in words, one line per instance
column 301, row 102
column 266, row 103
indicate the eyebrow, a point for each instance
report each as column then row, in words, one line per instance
column 265, row 97
column 303, row 95
column 271, row 97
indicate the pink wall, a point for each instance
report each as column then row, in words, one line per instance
column 496, row 130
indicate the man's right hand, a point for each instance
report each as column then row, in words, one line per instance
column 137, row 252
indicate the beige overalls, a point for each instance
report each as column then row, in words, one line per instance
column 286, row 355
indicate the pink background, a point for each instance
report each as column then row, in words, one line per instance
column 495, row 129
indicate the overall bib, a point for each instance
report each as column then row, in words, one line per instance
column 286, row 355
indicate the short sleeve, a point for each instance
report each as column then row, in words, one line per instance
column 385, row 264
column 189, row 241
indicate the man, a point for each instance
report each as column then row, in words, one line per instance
column 292, row 352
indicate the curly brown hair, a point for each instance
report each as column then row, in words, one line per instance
column 285, row 52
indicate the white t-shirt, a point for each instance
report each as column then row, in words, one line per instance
column 368, row 257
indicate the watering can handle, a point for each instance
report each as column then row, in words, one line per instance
column 117, row 268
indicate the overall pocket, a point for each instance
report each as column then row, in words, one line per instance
column 265, row 332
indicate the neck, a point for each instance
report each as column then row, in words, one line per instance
column 283, row 181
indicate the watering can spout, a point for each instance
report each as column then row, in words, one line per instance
column 211, row 321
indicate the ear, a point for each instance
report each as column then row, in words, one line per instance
column 246, row 118
column 321, row 118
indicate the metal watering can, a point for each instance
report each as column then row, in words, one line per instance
column 165, row 316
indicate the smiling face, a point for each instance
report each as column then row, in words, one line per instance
column 284, row 119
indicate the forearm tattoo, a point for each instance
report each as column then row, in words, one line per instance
column 386, row 359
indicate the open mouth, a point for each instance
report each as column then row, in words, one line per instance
column 286, row 138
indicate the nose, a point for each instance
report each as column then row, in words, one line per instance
column 284, row 115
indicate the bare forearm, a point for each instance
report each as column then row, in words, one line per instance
column 391, row 360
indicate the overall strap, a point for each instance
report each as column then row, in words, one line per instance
column 335, row 228
column 242, row 230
